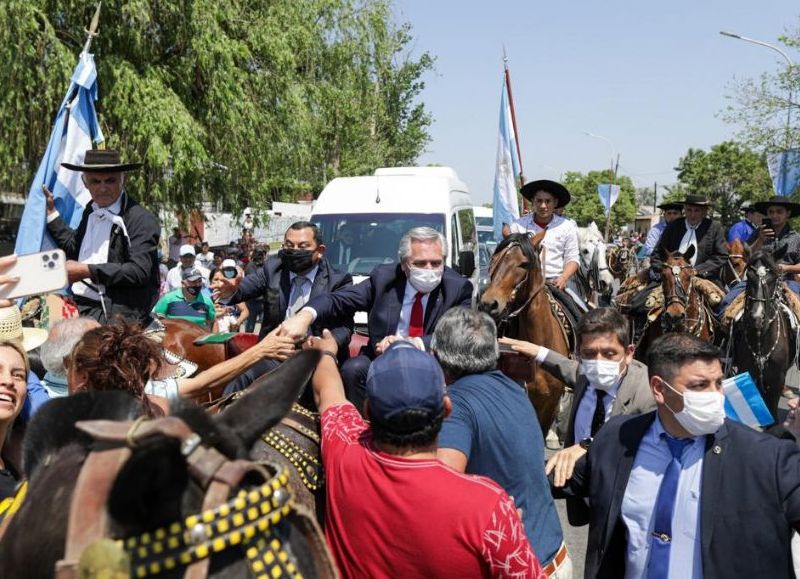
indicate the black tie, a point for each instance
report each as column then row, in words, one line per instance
column 599, row 417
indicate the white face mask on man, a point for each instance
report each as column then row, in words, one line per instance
column 602, row 374
column 424, row 280
column 703, row 412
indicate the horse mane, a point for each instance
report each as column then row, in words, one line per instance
column 524, row 242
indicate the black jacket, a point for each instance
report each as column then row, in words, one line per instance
column 131, row 274
column 272, row 282
column 712, row 251
column 381, row 296
column 749, row 501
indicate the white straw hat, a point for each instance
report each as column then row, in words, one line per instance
column 11, row 329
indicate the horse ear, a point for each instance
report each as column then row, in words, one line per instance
column 746, row 250
column 269, row 398
column 536, row 240
column 780, row 252
column 689, row 253
column 505, row 231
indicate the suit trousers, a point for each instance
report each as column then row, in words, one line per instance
column 251, row 375
column 354, row 376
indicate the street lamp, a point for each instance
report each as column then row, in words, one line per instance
column 613, row 171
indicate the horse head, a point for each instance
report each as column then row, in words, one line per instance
column 763, row 283
column 168, row 476
column 676, row 281
column 738, row 253
column 513, row 269
column 593, row 250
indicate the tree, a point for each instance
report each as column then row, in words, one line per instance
column 241, row 102
column 760, row 107
column 728, row 175
column 586, row 207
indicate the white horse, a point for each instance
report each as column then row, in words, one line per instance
column 593, row 274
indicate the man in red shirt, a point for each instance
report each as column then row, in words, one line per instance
column 393, row 509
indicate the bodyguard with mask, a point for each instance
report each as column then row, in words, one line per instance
column 287, row 281
column 683, row 491
column 403, row 301
column 606, row 382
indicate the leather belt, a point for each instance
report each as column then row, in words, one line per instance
column 560, row 557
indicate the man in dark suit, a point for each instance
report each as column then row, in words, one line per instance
column 682, row 491
column 299, row 273
column 403, row 301
column 694, row 229
column 113, row 263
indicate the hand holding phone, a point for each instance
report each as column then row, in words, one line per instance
column 36, row 273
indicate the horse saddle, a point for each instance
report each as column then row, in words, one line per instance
column 566, row 311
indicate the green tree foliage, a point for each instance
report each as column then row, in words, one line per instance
column 760, row 106
column 728, row 174
column 586, row 207
column 240, row 102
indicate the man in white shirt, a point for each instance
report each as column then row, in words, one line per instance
column 205, row 258
column 187, row 259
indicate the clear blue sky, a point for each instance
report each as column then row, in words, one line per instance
column 650, row 76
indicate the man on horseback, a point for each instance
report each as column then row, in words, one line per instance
column 669, row 213
column 561, row 255
column 113, row 264
column 745, row 228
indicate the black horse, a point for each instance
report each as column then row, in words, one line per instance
column 156, row 488
column 762, row 340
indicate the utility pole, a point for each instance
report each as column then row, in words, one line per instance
column 655, row 197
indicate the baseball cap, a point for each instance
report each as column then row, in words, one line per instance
column 404, row 378
column 228, row 263
column 187, row 250
column 191, row 274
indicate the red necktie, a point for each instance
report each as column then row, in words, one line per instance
column 415, row 326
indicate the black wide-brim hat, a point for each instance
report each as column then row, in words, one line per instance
column 699, row 200
column 671, row 205
column 556, row 189
column 102, row 161
column 762, row 206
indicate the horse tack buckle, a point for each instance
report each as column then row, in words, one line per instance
column 761, row 271
column 676, row 269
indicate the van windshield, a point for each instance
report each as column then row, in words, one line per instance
column 358, row 242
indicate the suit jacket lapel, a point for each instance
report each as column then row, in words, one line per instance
column 435, row 299
column 286, row 287
column 626, row 392
column 712, row 479
column 320, row 284
column 395, row 305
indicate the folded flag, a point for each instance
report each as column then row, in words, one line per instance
column 743, row 401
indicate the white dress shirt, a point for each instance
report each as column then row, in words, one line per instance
column 306, row 289
column 638, row 506
column 409, row 295
column 560, row 242
column 689, row 239
column 585, row 412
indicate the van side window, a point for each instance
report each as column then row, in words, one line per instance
column 454, row 242
column 466, row 222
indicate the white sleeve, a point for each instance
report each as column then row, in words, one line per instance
column 53, row 216
column 571, row 251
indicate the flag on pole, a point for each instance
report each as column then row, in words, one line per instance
column 75, row 130
column 743, row 402
column 504, row 204
column 784, row 168
column 608, row 195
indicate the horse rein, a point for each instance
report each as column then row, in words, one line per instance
column 682, row 296
column 759, row 358
column 505, row 315
column 729, row 262
column 249, row 520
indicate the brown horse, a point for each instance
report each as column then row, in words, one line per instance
column 622, row 262
column 517, row 300
column 733, row 270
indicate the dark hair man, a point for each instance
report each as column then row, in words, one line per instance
column 392, row 509
column 113, row 264
column 682, row 491
column 298, row 273
column 493, row 430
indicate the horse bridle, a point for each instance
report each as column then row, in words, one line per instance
column 506, row 315
column 250, row 520
column 756, row 353
column 681, row 296
column 729, row 261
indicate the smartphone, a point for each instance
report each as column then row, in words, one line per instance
column 766, row 223
column 38, row 273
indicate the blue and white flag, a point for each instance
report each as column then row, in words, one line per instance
column 784, row 168
column 743, row 401
column 75, row 130
column 505, row 204
column 608, row 195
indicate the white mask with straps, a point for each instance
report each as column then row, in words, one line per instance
column 424, row 280
column 602, row 374
column 703, row 412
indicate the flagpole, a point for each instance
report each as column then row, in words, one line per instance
column 91, row 32
column 507, row 74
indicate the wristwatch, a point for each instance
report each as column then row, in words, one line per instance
column 586, row 443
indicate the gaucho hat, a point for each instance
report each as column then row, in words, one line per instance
column 102, row 161
column 671, row 205
column 556, row 189
column 762, row 206
column 700, row 200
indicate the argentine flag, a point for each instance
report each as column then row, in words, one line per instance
column 743, row 402
column 75, row 130
column 608, row 195
column 504, row 203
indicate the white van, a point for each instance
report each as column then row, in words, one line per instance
column 372, row 213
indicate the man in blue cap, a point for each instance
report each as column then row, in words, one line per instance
column 393, row 509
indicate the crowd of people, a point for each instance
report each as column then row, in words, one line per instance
column 434, row 459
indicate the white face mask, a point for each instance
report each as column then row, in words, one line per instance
column 602, row 374
column 424, row 280
column 703, row 412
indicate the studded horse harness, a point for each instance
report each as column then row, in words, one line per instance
column 682, row 297
column 251, row 520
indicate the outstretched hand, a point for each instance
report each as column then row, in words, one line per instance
column 50, row 204
column 326, row 343
column 5, row 262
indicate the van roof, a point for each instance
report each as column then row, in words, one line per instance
column 395, row 190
